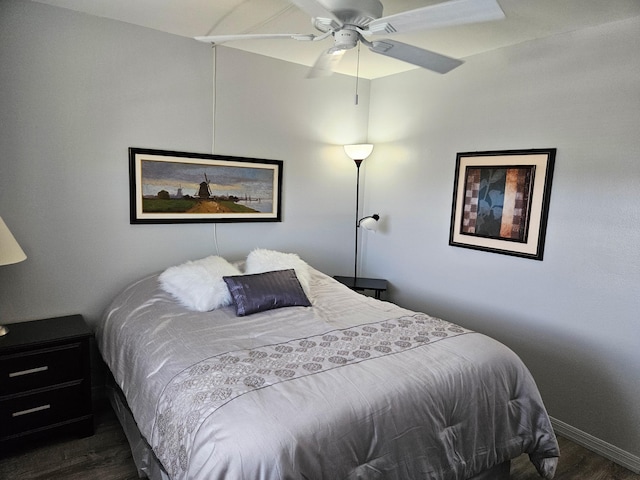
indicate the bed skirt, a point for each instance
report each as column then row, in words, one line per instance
column 150, row 467
column 499, row 472
column 146, row 462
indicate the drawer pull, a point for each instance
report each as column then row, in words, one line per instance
column 28, row 372
column 31, row 410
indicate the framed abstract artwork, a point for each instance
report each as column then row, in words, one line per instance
column 501, row 201
column 181, row 187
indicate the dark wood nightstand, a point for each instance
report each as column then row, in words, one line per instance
column 378, row 285
column 45, row 379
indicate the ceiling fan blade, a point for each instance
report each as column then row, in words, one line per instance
column 414, row 55
column 315, row 9
column 326, row 63
column 217, row 39
column 453, row 12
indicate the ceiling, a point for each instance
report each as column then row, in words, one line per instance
column 525, row 20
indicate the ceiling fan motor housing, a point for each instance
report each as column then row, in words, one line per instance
column 345, row 39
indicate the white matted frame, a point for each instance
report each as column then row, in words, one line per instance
column 501, row 201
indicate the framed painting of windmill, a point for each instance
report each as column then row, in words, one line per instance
column 181, row 187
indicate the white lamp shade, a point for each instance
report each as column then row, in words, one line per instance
column 369, row 223
column 10, row 251
column 359, row 151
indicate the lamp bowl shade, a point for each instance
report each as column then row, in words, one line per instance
column 359, row 151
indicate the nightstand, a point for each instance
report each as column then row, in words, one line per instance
column 359, row 284
column 45, row 379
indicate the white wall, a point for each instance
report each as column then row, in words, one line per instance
column 77, row 91
column 267, row 108
column 573, row 317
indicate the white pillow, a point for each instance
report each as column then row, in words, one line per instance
column 261, row 260
column 198, row 284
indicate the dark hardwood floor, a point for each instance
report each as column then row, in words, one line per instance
column 103, row 456
column 106, row 456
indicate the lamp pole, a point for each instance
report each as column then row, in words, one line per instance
column 355, row 260
column 357, row 153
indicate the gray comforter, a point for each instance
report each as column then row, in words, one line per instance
column 349, row 388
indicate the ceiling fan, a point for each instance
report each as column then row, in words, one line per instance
column 353, row 21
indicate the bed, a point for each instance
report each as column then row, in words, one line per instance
column 255, row 383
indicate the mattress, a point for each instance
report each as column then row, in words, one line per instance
column 351, row 387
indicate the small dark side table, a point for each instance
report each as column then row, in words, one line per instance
column 378, row 285
column 45, row 380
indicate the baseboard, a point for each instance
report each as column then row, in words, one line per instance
column 602, row 448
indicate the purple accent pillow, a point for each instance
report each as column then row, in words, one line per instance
column 265, row 291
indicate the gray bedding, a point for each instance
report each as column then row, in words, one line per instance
column 350, row 388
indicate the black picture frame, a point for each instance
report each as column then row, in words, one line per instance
column 182, row 187
column 501, row 201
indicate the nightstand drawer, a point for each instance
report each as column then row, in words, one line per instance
column 25, row 371
column 21, row 414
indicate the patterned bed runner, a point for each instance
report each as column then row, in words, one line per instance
column 200, row 390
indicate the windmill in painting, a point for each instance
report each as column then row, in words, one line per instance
column 205, row 188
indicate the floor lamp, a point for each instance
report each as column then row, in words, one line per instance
column 10, row 252
column 358, row 153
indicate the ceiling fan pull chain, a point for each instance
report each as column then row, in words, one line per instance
column 357, row 72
